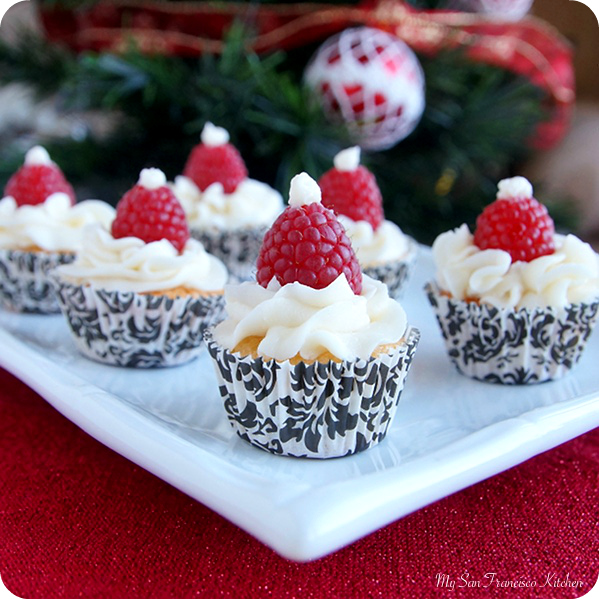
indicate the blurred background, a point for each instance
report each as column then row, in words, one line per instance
column 112, row 87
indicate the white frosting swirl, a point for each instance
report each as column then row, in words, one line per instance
column 569, row 275
column 348, row 159
column 38, row 155
column 54, row 226
column 296, row 319
column 515, row 187
column 372, row 247
column 252, row 204
column 129, row 264
column 213, row 135
column 152, row 178
column 303, row 191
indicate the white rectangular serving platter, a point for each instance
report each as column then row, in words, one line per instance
column 449, row 432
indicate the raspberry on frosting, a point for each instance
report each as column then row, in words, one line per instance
column 37, row 179
column 351, row 189
column 215, row 160
column 307, row 244
column 151, row 212
column 516, row 223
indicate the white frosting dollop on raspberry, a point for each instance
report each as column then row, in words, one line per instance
column 213, row 135
column 303, row 190
column 568, row 275
column 513, row 188
column 152, row 178
column 130, row 264
column 296, row 319
column 348, row 159
column 38, row 156
column 55, row 225
column 372, row 247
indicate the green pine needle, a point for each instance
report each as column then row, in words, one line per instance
column 474, row 131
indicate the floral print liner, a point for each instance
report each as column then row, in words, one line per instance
column 238, row 249
column 137, row 330
column 25, row 285
column 512, row 346
column 319, row 410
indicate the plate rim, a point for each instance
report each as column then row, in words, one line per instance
column 311, row 530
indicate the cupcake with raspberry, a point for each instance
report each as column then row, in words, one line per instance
column 142, row 294
column 227, row 211
column 312, row 357
column 515, row 301
column 41, row 227
column 385, row 253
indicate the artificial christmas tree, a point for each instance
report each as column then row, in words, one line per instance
column 495, row 90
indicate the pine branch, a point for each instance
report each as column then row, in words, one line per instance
column 473, row 132
column 33, row 61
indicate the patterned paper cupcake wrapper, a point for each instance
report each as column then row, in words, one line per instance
column 395, row 274
column 512, row 346
column 25, row 285
column 320, row 410
column 238, row 249
column 137, row 330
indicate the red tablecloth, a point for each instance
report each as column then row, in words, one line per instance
column 78, row 520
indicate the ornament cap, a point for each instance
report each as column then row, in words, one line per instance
column 152, row 178
column 513, row 188
column 348, row 159
column 214, row 136
column 37, row 156
column 303, row 190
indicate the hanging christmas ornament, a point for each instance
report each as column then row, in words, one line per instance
column 508, row 10
column 371, row 81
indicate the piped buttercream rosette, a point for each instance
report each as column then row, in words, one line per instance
column 514, row 321
column 384, row 251
column 39, row 232
column 227, row 211
column 136, row 303
column 315, row 368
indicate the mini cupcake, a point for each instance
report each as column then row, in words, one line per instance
column 41, row 227
column 312, row 358
column 142, row 295
column 228, row 212
column 516, row 302
column 385, row 253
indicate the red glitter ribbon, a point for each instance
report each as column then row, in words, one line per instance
column 528, row 47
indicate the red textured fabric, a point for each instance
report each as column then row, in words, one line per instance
column 78, row 520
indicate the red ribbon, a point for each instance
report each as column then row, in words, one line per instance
column 528, row 47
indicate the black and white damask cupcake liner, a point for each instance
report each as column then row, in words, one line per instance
column 319, row 410
column 25, row 285
column 238, row 249
column 512, row 346
column 395, row 274
column 137, row 330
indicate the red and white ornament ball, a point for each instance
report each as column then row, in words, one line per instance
column 372, row 82
column 507, row 10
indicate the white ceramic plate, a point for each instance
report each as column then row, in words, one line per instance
column 449, row 432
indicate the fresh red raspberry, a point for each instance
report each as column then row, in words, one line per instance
column 520, row 226
column 353, row 193
column 151, row 215
column 210, row 164
column 308, row 244
column 33, row 183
